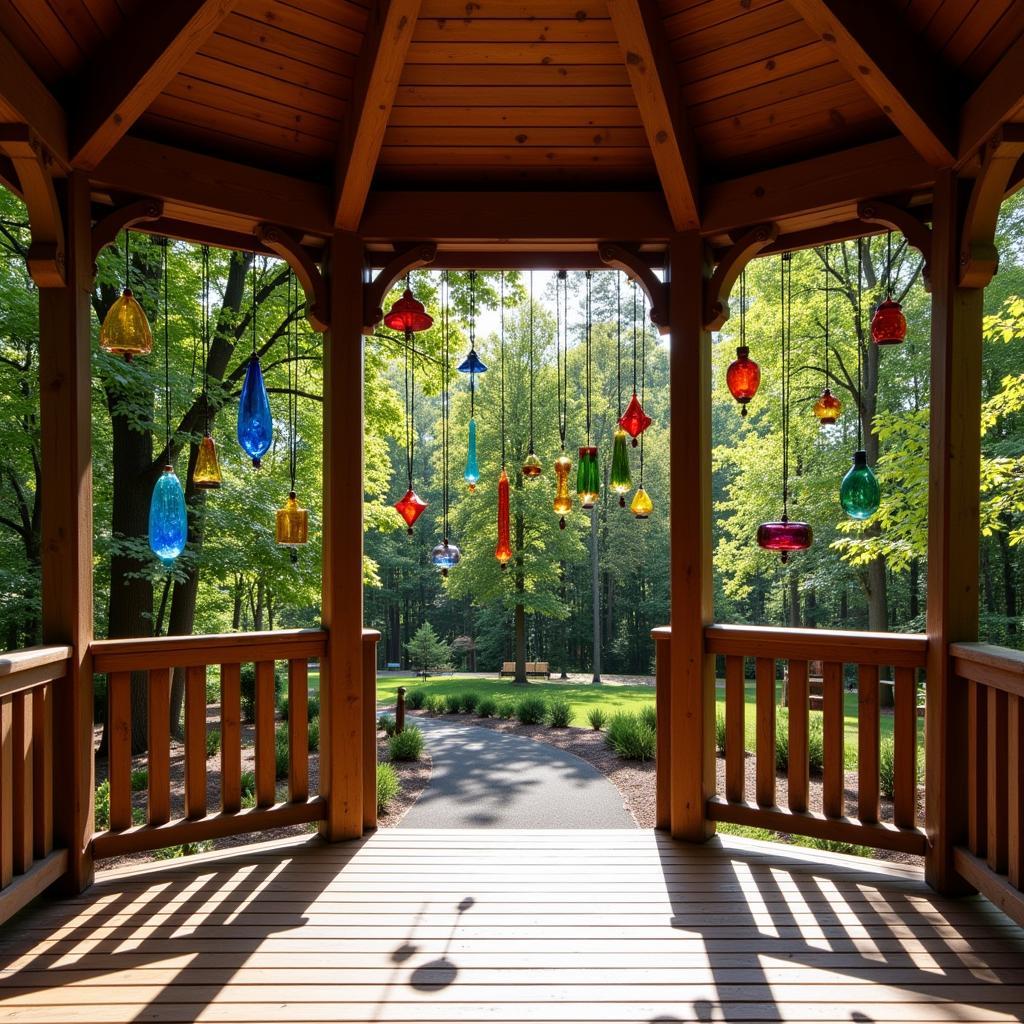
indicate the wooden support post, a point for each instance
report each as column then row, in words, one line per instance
column 692, row 756
column 342, row 725
column 65, row 429
column 663, row 706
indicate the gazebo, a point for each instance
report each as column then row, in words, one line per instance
column 675, row 140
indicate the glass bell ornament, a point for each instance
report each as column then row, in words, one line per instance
column 408, row 315
column 888, row 325
column 472, row 473
column 641, row 506
column 588, row 484
column 255, row 423
column 410, row 507
column 125, row 331
column 563, row 500
column 445, row 556
column 472, row 364
column 784, row 536
column 743, row 377
column 634, row 421
column 207, row 469
column 859, row 493
column 168, row 520
column 503, row 550
column 621, row 479
column 531, row 466
column 292, row 527
column 827, row 408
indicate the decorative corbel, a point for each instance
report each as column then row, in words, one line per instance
column 288, row 246
column 33, row 164
column 719, row 286
column 107, row 228
column 405, row 260
column 914, row 230
column 631, row 263
column 979, row 259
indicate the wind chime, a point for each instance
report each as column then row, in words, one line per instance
column 621, row 482
column 785, row 536
column 888, row 325
column 291, row 528
column 641, row 506
column 168, row 520
column 531, row 464
column 255, row 422
column 588, row 484
column 472, row 365
column 445, row 555
column 207, row 469
column 634, row 421
column 827, row 408
column 125, row 331
column 859, row 493
column 563, row 464
column 503, row 549
column 744, row 375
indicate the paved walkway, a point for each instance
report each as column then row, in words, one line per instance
column 486, row 779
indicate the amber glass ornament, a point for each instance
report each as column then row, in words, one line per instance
column 621, row 481
column 410, row 507
column 408, row 315
column 292, row 528
column 827, row 408
column 125, row 331
column 531, row 466
column 503, row 550
column 889, row 325
column 207, row 471
column 743, row 377
column 588, row 483
column 563, row 499
column 784, row 536
column 634, row 421
column 641, row 506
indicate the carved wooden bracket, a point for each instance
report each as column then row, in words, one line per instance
column 106, row 230
column 287, row 245
column 730, row 266
column 979, row 259
column 916, row 232
column 33, row 164
column 620, row 257
column 420, row 255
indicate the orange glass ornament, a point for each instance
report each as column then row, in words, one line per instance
column 207, row 471
column 827, row 408
column 888, row 325
column 563, row 499
column 531, row 466
column 743, row 377
column 410, row 507
column 503, row 550
column 292, row 526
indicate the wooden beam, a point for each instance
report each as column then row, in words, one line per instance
column 25, row 99
column 998, row 99
column 133, row 67
column 641, row 33
column 389, row 31
column 893, row 68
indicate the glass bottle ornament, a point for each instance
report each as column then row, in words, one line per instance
column 207, row 469
column 634, row 421
column 168, row 520
column 563, row 499
column 621, row 481
column 888, row 325
column 785, row 536
column 641, row 506
column 743, row 377
column 588, row 485
column 503, row 550
column 408, row 315
column 859, row 493
column 827, row 408
column 292, row 526
column 255, row 422
column 531, row 466
column 445, row 556
column 125, row 331
column 410, row 507
column 472, row 473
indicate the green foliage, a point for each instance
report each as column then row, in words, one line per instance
column 415, row 699
column 101, row 806
column 183, row 850
column 436, row 704
column 248, row 784
column 487, row 708
column 314, row 735
column 452, row 703
column 427, row 651
column 833, row 846
column 281, row 752
column 887, row 768
column 649, row 716
column 531, row 710
column 506, row 707
column 597, row 717
column 212, row 742
column 386, row 723
column 720, row 733
column 815, row 741
column 406, row 745
column 248, row 688
column 470, row 701
column 388, row 785
column 559, row 714
column 140, row 779
column 631, row 737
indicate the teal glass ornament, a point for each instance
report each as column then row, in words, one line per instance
column 472, row 474
column 255, row 423
column 859, row 493
column 168, row 521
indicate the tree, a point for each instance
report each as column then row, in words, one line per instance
column 428, row 651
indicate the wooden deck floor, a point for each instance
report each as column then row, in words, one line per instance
column 513, row 926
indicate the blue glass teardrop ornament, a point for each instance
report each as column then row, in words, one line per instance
column 472, row 474
column 255, row 423
column 168, row 521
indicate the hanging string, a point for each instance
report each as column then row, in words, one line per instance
column 588, row 347
column 293, row 378
column 167, row 361
column 562, row 351
column 531, row 362
column 784, row 265
column 408, row 416
column 828, row 289
column 618, row 334
column 634, row 333
column 253, row 316
column 860, row 327
column 888, row 264
column 643, row 367
column 206, row 340
column 445, row 400
column 743, row 308
column 472, row 340
column 127, row 260
column 503, row 369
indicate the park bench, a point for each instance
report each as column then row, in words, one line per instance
column 533, row 668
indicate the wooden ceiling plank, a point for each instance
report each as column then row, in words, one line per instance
column 640, row 33
column 133, row 68
column 378, row 72
column 892, row 67
column 999, row 98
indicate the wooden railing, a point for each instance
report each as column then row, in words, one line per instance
column 28, row 861
column 993, row 733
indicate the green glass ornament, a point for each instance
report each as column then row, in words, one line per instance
column 621, row 481
column 859, row 493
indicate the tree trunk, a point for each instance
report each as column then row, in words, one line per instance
column 1009, row 582
column 595, row 594
column 520, row 676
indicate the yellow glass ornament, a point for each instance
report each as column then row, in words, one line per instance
column 641, row 505
column 207, row 471
column 292, row 524
column 531, row 466
column 125, row 331
column 563, row 499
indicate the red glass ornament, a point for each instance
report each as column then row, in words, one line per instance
column 888, row 325
column 743, row 377
column 408, row 315
column 827, row 408
column 784, row 537
column 634, row 420
column 503, row 551
column 410, row 507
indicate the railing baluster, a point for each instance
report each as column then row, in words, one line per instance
column 119, row 754
column 265, row 753
column 798, row 773
column 1015, row 773
column 22, row 781
column 6, row 792
column 42, row 769
column 997, row 781
column 195, row 741
column 230, row 738
column 834, row 767
column 735, row 739
column 158, row 810
column 370, row 731
column 868, row 796
column 977, row 728
column 765, row 706
column 905, row 748
column 663, row 706
column 298, row 730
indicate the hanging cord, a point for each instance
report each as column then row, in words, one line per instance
column 293, row 379
column 445, row 401
column 562, row 351
column 167, row 362
column 503, row 369
column 828, row 289
column 643, row 369
column 618, row 334
column 206, row 340
column 860, row 327
column 743, row 308
column 408, row 419
column 531, row 362
column 588, row 355
column 472, row 340
column 644, row 306
column 784, row 311
column 253, row 316
column 888, row 264
column 127, row 260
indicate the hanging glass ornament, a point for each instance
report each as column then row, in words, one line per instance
column 531, row 466
column 292, row 527
column 563, row 499
column 168, row 520
column 445, row 556
column 634, row 420
column 410, row 507
column 889, row 325
column 408, row 315
column 827, row 408
column 472, row 364
column 859, row 493
column 503, row 550
column 641, row 506
column 207, row 470
column 743, row 377
column 621, row 479
column 588, row 485
column 255, row 422
column 125, row 331
column 472, row 473
column 785, row 536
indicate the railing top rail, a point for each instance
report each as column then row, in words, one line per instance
column 1001, row 667
column 371, row 634
column 13, row 662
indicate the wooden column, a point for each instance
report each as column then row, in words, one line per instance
column 341, row 678
column 65, row 428
column 692, row 753
column 953, row 531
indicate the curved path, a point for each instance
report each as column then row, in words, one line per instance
column 487, row 779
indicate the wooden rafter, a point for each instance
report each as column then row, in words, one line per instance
column 389, row 32
column 401, row 263
column 893, row 68
column 25, row 99
column 999, row 98
column 289, row 247
column 133, row 68
column 718, row 287
column 636, row 268
column 641, row 34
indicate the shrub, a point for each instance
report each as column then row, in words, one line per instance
column 99, row 699
column 415, row 699
column 313, row 708
column 834, row 846
column 649, row 716
column 597, row 717
column 559, row 713
column 887, row 768
column 470, row 701
column 531, row 710
column 212, row 742
column 435, row 704
column 487, row 708
column 427, row 651
column 720, row 734
column 282, row 708
column 140, row 780
column 102, row 805
column 452, row 703
column 506, row 708
column 212, row 689
column 248, row 689
column 281, row 752
column 815, row 742
column 184, row 850
column 387, row 724
column 407, row 745
column 248, row 784
column 387, row 786
column 314, row 734
column 631, row 737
